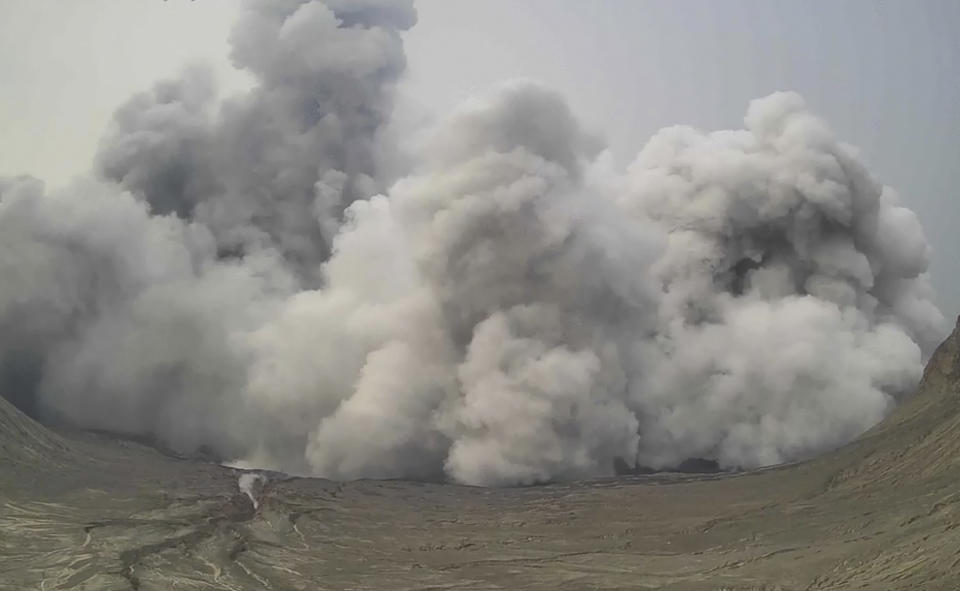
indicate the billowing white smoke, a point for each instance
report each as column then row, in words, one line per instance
column 275, row 167
column 251, row 484
column 793, row 291
column 514, row 310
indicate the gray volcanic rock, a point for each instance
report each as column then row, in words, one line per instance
column 85, row 511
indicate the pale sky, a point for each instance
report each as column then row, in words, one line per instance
column 885, row 74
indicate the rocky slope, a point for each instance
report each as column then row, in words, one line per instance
column 83, row 511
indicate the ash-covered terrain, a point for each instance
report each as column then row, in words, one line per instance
column 79, row 511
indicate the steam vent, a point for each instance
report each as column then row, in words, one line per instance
column 85, row 511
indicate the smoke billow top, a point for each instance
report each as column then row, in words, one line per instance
column 242, row 274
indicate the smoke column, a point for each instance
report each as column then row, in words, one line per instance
column 243, row 275
column 248, row 483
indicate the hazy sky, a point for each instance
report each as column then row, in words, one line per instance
column 885, row 74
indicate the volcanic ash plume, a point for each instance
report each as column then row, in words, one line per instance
column 512, row 310
column 275, row 167
column 794, row 308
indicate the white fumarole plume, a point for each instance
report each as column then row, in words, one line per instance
column 245, row 277
column 250, row 484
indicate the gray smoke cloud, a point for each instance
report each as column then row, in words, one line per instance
column 793, row 290
column 275, row 167
column 245, row 276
